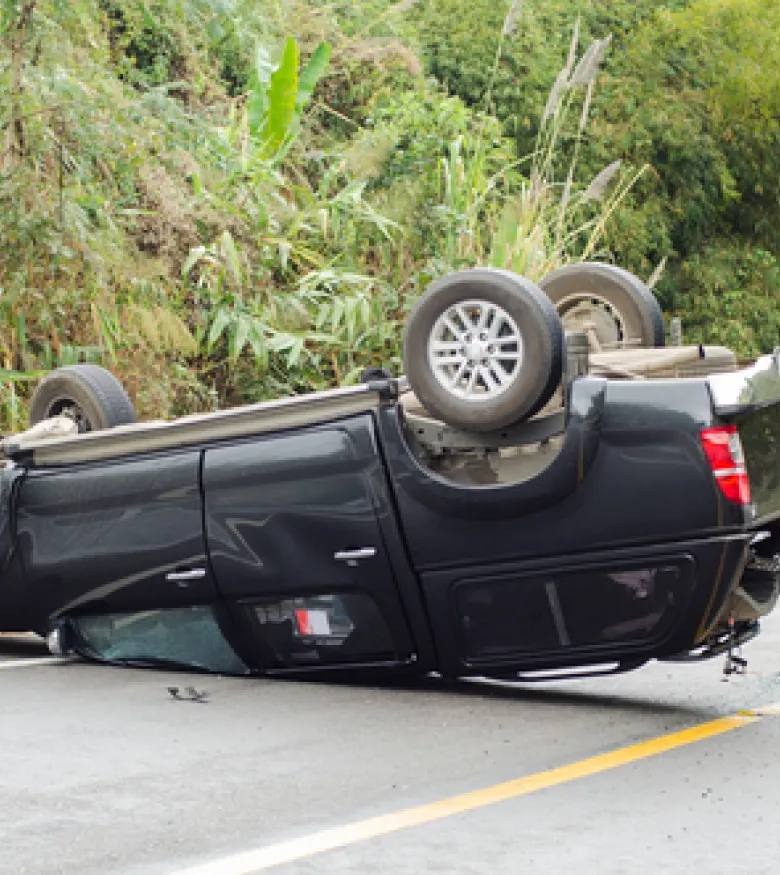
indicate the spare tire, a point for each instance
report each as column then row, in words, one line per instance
column 621, row 308
column 89, row 394
column 483, row 349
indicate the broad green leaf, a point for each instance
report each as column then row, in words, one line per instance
column 257, row 104
column 257, row 110
column 263, row 66
column 280, row 341
column 243, row 329
column 221, row 321
column 311, row 75
column 258, row 344
column 281, row 97
column 296, row 350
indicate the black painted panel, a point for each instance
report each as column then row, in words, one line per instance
column 103, row 537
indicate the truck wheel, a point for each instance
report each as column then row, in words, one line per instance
column 483, row 349
column 89, row 394
column 621, row 308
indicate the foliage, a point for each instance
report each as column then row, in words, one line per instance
column 707, row 124
column 228, row 200
column 460, row 39
column 730, row 297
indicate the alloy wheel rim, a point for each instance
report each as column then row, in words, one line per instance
column 475, row 350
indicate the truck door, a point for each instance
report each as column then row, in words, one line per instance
column 297, row 548
column 109, row 537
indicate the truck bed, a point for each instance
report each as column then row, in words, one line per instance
column 304, row 410
column 145, row 437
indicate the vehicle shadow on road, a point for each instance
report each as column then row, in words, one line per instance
column 521, row 693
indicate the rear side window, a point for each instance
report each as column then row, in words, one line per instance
column 509, row 614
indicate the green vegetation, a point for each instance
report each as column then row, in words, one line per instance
column 225, row 200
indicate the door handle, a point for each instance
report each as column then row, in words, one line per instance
column 352, row 557
column 192, row 574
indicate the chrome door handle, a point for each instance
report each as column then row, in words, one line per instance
column 193, row 574
column 351, row 557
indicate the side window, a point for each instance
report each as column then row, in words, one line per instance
column 188, row 636
column 510, row 614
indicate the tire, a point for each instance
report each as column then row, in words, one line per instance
column 478, row 397
column 88, row 393
column 623, row 308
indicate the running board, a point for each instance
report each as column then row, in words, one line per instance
column 564, row 674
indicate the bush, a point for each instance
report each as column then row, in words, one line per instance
column 730, row 296
column 459, row 40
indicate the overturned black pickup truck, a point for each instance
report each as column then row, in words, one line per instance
column 550, row 489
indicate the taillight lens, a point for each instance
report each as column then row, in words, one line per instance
column 723, row 450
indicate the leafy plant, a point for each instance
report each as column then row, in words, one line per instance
column 206, row 198
column 279, row 95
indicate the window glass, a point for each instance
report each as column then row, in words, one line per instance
column 188, row 636
column 586, row 607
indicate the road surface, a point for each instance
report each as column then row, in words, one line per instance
column 668, row 769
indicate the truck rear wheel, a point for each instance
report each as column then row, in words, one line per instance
column 89, row 394
column 619, row 307
column 483, row 349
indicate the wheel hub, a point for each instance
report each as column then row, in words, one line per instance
column 585, row 308
column 66, row 407
column 475, row 350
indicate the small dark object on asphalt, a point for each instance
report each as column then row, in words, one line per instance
column 192, row 695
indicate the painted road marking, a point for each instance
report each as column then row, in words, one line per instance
column 342, row 836
column 764, row 711
column 28, row 663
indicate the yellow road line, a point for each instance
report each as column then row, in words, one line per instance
column 330, row 839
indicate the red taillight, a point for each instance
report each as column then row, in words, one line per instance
column 723, row 450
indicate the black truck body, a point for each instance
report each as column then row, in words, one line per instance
column 309, row 535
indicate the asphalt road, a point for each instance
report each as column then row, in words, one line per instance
column 103, row 773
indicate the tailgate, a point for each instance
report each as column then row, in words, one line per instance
column 750, row 399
